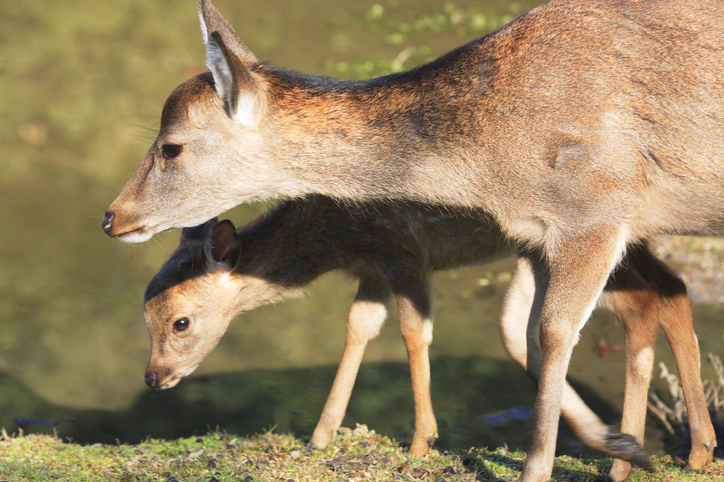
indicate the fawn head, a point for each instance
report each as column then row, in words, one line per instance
column 210, row 150
column 188, row 305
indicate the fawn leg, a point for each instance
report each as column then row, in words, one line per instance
column 677, row 323
column 636, row 305
column 577, row 278
column 416, row 328
column 652, row 282
column 366, row 317
column 518, row 322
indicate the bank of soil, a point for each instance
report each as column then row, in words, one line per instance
column 700, row 261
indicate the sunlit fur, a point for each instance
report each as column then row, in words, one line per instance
column 581, row 126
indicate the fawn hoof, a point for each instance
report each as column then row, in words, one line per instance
column 107, row 223
column 620, row 470
column 700, row 457
column 420, row 448
column 320, row 440
column 624, row 446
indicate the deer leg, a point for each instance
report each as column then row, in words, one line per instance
column 366, row 317
column 518, row 330
column 575, row 284
column 416, row 328
column 518, row 322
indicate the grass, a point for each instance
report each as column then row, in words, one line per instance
column 358, row 454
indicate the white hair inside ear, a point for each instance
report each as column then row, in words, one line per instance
column 243, row 107
column 246, row 110
column 204, row 30
column 229, row 61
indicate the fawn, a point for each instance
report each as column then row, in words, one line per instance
column 581, row 127
column 217, row 272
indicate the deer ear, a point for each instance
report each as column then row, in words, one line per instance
column 230, row 62
column 198, row 233
column 222, row 247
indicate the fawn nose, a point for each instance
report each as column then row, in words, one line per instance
column 108, row 222
column 151, row 378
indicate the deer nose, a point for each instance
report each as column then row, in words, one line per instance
column 151, row 378
column 108, row 222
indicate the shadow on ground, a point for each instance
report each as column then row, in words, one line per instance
column 478, row 402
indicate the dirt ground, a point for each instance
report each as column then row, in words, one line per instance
column 700, row 262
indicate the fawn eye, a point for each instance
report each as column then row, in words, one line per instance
column 171, row 151
column 181, row 325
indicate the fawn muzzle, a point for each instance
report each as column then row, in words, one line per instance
column 151, row 378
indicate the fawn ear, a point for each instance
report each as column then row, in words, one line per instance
column 222, row 247
column 198, row 233
column 230, row 62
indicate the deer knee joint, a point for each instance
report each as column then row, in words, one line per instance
column 366, row 319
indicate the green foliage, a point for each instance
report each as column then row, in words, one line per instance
column 410, row 29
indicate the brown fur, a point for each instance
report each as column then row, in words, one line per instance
column 644, row 294
column 581, row 126
column 394, row 249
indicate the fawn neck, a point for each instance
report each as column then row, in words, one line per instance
column 284, row 250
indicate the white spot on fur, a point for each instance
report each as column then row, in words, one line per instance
column 368, row 318
column 645, row 359
column 427, row 332
column 246, row 110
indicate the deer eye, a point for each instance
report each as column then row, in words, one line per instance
column 171, row 151
column 181, row 325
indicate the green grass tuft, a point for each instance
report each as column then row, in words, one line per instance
column 358, row 454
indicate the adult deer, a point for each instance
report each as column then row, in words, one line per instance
column 217, row 272
column 581, row 127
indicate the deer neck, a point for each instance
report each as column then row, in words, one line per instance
column 383, row 138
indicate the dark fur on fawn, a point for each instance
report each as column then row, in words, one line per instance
column 395, row 247
column 186, row 262
column 299, row 240
column 581, row 127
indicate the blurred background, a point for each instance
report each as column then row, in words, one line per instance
column 81, row 90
